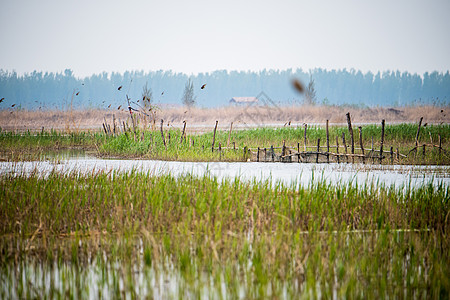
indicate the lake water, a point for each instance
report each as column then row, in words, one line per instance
column 291, row 174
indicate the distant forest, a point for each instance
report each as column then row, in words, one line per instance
column 38, row 90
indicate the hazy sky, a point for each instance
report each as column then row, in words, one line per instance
column 198, row 36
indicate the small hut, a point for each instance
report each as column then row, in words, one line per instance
column 243, row 100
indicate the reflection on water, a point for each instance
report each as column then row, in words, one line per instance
column 292, row 174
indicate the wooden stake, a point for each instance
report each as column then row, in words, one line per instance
column 162, row 133
column 318, row 149
column 398, row 156
column 382, row 141
column 440, row 145
column 257, row 155
column 273, row 153
column 328, row 145
column 220, row 151
column 418, row 132
column 361, row 144
column 298, row 152
column 349, row 122
column 306, row 126
column 373, row 152
column 214, row 137
column 392, row 155
column 337, row 148
column 345, row 146
column 183, row 133
column 229, row 134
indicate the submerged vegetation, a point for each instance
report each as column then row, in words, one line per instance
column 113, row 234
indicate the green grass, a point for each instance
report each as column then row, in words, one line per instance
column 149, row 144
column 205, row 237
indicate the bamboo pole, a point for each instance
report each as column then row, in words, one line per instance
column 382, row 141
column 214, row 136
column 361, row 144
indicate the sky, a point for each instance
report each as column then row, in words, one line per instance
column 202, row 36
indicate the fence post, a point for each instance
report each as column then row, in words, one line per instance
column 337, row 149
column 318, row 149
column 283, row 151
column 162, row 133
column 372, row 152
column 273, row 153
column 220, row 151
column 328, row 145
column 229, row 134
column 382, row 141
column 257, row 155
column 265, row 154
column 418, row 132
column 182, row 133
column 345, row 146
column 392, row 155
column 214, row 137
column 298, row 152
column 349, row 122
column 361, row 144
column 306, row 126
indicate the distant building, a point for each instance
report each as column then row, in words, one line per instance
column 244, row 100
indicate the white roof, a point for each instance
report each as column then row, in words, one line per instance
column 244, row 99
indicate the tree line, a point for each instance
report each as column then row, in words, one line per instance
column 47, row 90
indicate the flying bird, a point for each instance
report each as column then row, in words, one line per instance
column 298, row 85
column 1, row 100
column 77, row 93
column 203, row 86
column 162, row 93
column 13, row 105
column 119, row 107
column 109, row 106
column 119, row 88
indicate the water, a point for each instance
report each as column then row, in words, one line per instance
column 292, row 174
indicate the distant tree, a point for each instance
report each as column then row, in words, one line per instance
column 147, row 97
column 310, row 94
column 188, row 95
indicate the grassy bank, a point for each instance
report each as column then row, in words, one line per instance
column 124, row 234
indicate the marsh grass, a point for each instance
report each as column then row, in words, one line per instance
column 149, row 144
column 112, row 234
